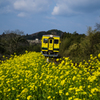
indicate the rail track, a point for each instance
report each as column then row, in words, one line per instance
column 56, row 60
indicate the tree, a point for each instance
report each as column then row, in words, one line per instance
column 18, row 32
column 14, row 41
column 2, row 49
column 97, row 26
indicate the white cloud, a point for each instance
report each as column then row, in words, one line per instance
column 72, row 7
column 6, row 9
column 26, row 6
column 31, row 5
column 62, row 7
column 4, row 6
column 22, row 14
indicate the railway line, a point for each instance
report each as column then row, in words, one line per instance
column 56, row 60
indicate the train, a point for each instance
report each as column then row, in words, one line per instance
column 50, row 45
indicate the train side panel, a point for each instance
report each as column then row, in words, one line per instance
column 44, row 46
column 56, row 44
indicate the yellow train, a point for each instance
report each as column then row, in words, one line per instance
column 50, row 45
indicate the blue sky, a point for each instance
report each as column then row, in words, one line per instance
column 32, row 16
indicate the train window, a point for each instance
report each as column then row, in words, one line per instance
column 45, row 41
column 55, row 41
column 50, row 41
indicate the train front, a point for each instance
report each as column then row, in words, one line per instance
column 50, row 45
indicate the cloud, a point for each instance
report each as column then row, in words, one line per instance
column 31, row 5
column 26, row 6
column 5, row 6
column 73, row 7
column 62, row 7
column 22, row 14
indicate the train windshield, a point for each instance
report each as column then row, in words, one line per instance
column 45, row 41
column 50, row 41
column 55, row 41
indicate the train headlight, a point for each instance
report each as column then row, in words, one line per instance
column 51, row 36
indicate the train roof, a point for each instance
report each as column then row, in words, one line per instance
column 51, row 35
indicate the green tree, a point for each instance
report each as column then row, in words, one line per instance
column 13, row 42
column 97, row 26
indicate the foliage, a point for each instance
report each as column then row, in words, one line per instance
column 79, row 46
column 35, row 47
column 39, row 34
column 12, row 42
column 98, row 26
column 35, row 35
column 30, row 77
column 55, row 32
column 70, row 44
column 75, row 46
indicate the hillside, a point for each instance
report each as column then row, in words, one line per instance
column 39, row 34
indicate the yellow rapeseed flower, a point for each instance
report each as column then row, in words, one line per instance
column 57, row 59
column 60, row 91
column 90, row 95
column 92, row 78
column 70, row 98
column 62, row 82
column 99, row 55
column 80, row 87
column 99, row 68
column 94, row 90
column 67, row 93
column 29, row 97
column 74, row 77
column 89, row 86
column 9, row 90
column 48, row 97
column 53, row 97
column 24, row 91
column 26, row 73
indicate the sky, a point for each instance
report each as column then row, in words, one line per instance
column 31, row 16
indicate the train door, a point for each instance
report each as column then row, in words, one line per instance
column 50, row 44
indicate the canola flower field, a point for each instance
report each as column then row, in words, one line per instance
column 30, row 77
